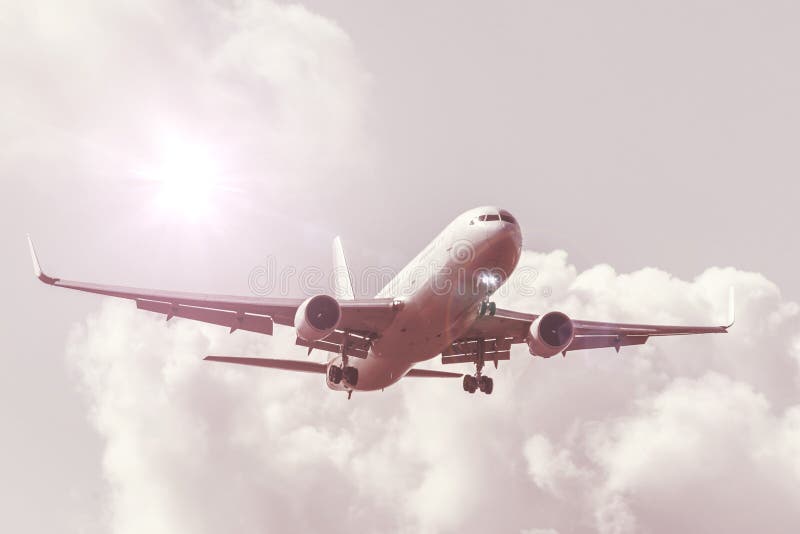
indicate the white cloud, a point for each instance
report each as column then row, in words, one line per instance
column 710, row 448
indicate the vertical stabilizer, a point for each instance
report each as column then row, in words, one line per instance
column 343, row 287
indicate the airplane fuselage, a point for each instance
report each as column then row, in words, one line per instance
column 441, row 291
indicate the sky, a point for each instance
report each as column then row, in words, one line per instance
column 647, row 149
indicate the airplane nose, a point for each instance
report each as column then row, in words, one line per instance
column 514, row 234
column 510, row 227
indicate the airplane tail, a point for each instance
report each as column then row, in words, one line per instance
column 343, row 286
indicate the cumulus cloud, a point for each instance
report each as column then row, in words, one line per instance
column 678, row 435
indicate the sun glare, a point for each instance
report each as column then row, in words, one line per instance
column 186, row 178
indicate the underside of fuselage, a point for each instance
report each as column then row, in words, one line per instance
column 441, row 292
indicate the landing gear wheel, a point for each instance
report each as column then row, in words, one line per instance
column 486, row 384
column 470, row 384
column 350, row 375
column 334, row 374
column 492, row 309
column 482, row 310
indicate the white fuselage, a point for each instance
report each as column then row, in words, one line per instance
column 440, row 293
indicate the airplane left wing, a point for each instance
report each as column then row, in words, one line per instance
column 361, row 318
column 494, row 335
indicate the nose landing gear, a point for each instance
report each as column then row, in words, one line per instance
column 487, row 284
column 487, row 307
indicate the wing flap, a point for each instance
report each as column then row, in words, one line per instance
column 232, row 320
column 472, row 358
column 599, row 342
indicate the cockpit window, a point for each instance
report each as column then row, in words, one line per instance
column 487, row 217
column 508, row 218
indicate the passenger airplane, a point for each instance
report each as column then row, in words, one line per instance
column 439, row 304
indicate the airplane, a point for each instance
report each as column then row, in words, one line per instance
column 440, row 304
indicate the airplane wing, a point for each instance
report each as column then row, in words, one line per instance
column 494, row 335
column 362, row 319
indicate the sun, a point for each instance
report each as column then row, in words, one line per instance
column 187, row 180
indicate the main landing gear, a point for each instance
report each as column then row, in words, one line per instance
column 474, row 383
column 478, row 381
column 346, row 372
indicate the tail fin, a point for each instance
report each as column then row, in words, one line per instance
column 343, row 287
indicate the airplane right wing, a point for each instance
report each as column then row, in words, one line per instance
column 361, row 319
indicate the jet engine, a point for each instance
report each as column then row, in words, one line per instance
column 550, row 334
column 317, row 317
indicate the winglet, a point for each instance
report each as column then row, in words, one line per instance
column 37, row 269
column 731, row 307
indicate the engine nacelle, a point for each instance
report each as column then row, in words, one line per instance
column 317, row 317
column 550, row 334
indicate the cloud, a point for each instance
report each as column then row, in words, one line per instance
column 680, row 434
column 549, row 468
column 711, row 448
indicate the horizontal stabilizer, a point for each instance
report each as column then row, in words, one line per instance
column 287, row 365
column 427, row 373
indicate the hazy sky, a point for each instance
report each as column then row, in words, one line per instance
column 649, row 151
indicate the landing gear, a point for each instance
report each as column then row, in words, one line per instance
column 486, row 384
column 478, row 381
column 487, row 284
column 470, row 384
column 334, row 374
column 487, row 307
column 338, row 373
column 350, row 375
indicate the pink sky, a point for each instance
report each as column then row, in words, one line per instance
column 627, row 135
